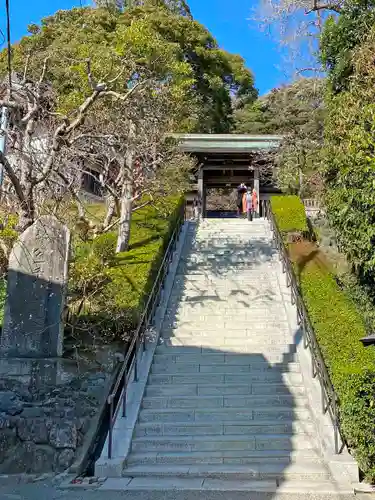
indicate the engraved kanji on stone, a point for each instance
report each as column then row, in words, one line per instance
column 37, row 279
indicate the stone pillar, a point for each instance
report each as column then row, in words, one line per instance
column 201, row 191
column 204, row 201
column 256, row 187
column 36, row 286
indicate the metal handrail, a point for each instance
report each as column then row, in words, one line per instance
column 139, row 339
column 330, row 401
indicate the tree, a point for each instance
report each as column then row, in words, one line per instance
column 129, row 143
column 297, row 26
column 295, row 111
column 341, row 36
column 40, row 138
column 176, row 6
column 349, row 167
column 217, row 75
column 173, row 46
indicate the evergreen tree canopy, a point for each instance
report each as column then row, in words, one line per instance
column 295, row 111
column 340, row 37
column 154, row 38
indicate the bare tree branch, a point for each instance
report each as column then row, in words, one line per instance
column 13, row 177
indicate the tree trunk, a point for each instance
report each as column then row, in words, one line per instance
column 126, row 204
column 25, row 220
column 126, row 200
column 111, row 209
column 27, row 210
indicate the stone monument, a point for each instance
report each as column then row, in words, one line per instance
column 37, row 280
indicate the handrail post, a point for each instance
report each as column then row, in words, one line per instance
column 136, row 360
column 124, row 396
column 110, row 430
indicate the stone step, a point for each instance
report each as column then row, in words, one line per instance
column 230, row 289
column 299, row 471
column 236, row 402
column 271, row 489
column 218, row 443
column 211, row 238
column 254, row 349
column 220, row 368
column 203, row 308
column 239, row 234
column 256, row 362
column 230, row 270
column 225, row 329
column 216, row 262
column 227, row 289
column 223, row 389
column 225, row 428
column 224, row 378
column 220, row 275
column 267, row 338
column 215, row 314
column 235, row 344
column 241, row 415
column 209, row 321
column 199, row 365
column 225, row 457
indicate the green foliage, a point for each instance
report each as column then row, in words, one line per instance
column 255, row 118
column 341, row 36
column 8, row 236
column 108, row 291
column 158, row 40
column 286, row 109
column 349, row 166
column 295, row 111
column 289, row 213
column 338, row 326
column 104, row 246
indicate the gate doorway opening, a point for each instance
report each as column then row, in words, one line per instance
column 221, row 201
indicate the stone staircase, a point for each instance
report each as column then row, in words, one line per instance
column 225, row 397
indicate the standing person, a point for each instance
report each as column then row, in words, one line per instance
column 249, row 205
column 241, row 189
column 196, row 208
column 254, row 201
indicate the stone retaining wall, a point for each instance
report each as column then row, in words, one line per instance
column 43, row 429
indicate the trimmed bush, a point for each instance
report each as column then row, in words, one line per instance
column 339, row 327
column 108, row 291
column 289, row 213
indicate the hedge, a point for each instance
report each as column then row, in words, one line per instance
column 339, row 327
column 117, row 286
column 290, row 213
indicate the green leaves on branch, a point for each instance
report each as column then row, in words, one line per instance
column 349, row 165
column 295, row 111
column 158, row 39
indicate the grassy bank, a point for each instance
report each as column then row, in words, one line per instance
column 108, row 291
column 339, row 327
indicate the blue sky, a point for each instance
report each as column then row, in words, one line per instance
column 227, row 21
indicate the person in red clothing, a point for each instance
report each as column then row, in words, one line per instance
column 241, row 189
